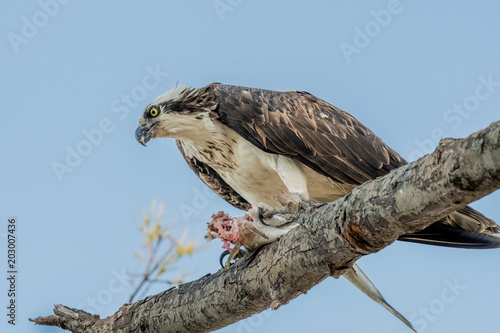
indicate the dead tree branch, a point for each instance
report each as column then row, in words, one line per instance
column 329, row 239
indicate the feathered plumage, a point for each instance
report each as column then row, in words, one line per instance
column 249, row 145
column 334, row 150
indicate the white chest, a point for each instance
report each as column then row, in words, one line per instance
column 256, row 175
column 248, row 170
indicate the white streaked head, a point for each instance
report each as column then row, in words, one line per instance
column 172, row 94
column 177, row 113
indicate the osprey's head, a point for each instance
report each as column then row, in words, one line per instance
column 175, row 114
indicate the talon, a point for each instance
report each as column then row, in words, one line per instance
column 261, row 217
column 238, row 255
column 232, row 255
column 315, row 204
column 286, row 222
column 222, row 256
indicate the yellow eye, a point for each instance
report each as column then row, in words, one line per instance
column 153, row 112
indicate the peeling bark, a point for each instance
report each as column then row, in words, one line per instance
column 329, row 238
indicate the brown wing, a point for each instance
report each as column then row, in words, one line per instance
column 334, row 143
column 306, row 128
column 214, row 181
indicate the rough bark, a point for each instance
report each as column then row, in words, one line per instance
column 328, row 239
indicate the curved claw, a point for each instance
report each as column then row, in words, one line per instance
column 261, row 217
column 222, row 256
column 286, row 222
column 235, row 253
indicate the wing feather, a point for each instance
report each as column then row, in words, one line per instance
column 304, row 127
column 329, row 141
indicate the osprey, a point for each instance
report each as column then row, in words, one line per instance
column 251, row 145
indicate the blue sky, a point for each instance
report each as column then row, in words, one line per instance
column 412, row 71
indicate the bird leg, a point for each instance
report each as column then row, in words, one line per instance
column 291, row 202
column 276, row 217
column 262, row 219
column 245, row 231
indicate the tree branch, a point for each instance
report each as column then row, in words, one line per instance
column 328, row 239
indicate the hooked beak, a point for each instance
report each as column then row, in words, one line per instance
column 143, row 134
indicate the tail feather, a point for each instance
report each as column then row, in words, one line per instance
column 465, row 228
column 356, row 276
column 445, row 235
column 468, row 218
